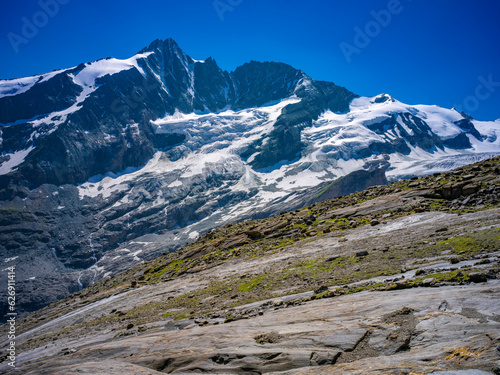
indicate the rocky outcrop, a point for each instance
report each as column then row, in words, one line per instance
column 316, row 338
column 349, row 184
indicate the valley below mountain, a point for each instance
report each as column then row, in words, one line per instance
column 401, row 278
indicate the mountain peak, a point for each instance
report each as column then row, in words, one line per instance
column 159, row 44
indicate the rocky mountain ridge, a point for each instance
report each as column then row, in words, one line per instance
column 99, row 113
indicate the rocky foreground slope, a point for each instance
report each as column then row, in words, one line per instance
column 397, row 279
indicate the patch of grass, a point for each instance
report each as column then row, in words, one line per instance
column 366, row 287
column 462, row 244
column 455, row 276
column 181, row 316
column 309, row 263
column 173, row 267
column 250, row 284
column 282, row 243
column 472, row 243
column 170, row 313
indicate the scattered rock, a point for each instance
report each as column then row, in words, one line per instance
column 483, row 261
column 468, row 176
column 321, row 289
column 429, row 282
column 277, row 302
column 254, row 234
column 130, row 326
column 362, row 253
column 458, row 276
column 268, row 338
column 470, row 189
column 330, row 294
column 491, row 274
column 477, row 277
column 452, row 190
column 239, row 240
column 67, row 351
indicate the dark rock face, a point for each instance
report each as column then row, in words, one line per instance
column 421, row 134
column 284, row 142
column 457, row 189
column 468, row 127
column 353, row 182
column 260, row 83
column 459, row 142
column 188, row 85
column 55, row 94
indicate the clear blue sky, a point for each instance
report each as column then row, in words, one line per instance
column 429, row 52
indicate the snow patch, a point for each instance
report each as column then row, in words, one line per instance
column 18, row 86
column 15, row 159
column 100, row 68
column 175, row 183
column 193, row 235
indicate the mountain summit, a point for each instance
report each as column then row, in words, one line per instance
column 114, row 162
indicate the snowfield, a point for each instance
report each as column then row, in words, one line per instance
column 214, row 142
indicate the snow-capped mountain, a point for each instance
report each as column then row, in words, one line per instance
column 69, row 125
column 116, row 161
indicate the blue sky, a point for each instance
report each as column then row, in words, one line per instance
column 420, row 51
